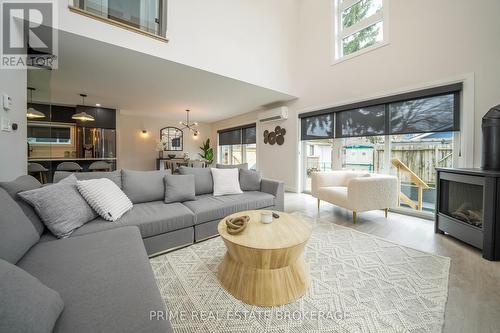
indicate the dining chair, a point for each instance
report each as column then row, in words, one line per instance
column 197, row 164
column 100, row 166
column 37, row 168
column 69, row 166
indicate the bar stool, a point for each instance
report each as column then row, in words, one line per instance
column 69, row 166
column 100, row 166
column 37, row 168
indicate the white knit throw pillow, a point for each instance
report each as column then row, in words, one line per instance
column 105, row 197
column 226, row 181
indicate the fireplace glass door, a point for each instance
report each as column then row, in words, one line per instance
column 462, row 201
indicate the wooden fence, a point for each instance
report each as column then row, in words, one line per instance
column 421, row 159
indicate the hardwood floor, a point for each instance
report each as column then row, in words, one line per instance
column 474, row 285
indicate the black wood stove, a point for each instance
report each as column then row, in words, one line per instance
column 468, row 200
column 468, row 208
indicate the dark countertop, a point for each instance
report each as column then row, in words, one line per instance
column 60, row 159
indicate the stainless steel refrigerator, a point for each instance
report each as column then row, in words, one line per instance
column 96, row 142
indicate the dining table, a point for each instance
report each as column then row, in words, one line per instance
column 174, row 163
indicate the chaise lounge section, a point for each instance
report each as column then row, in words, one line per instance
column 102, row 271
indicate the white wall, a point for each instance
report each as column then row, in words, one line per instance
column 249, row 40
column 430, row 41
column 275, row 162
column 138, row 152
column 13, row 151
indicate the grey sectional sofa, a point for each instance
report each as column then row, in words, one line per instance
column 102, row 271
column 167, row 226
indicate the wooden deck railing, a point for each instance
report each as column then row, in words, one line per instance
column 415, row 179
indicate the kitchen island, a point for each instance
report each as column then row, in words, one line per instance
column 51, row 163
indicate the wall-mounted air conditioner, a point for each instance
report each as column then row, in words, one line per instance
column 275, row 114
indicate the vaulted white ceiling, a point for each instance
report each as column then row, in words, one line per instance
column 141, row 84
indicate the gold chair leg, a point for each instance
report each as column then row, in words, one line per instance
column 386, row 212
column 319, row 201
column 354, row 215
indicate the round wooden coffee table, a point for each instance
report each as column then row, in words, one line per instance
column 264, row 264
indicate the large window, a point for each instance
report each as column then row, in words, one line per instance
column 360, row 25
column 238, row 145
column 407, row 135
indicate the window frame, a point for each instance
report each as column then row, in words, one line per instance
column 243, row 146
column 455, row 89
column 338, row 6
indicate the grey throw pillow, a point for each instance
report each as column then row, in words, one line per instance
column 21, row 184
column 144, row 186
column 203, row 181
column 26, row 304
column 250, row 180
column 179, row 188
column 17, row 234
column 234, row 166
column 60, row 206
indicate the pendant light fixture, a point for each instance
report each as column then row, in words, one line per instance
column 189, row 125
column 83, row 116
column 32, row 113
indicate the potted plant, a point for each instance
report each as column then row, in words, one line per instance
column 208, row 152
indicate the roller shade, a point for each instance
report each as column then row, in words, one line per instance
column 249, row 135
column 433, row 114
column 361, row 122
column 317, row 127
column 228, row 138
column 430, row 110
column 238, row 135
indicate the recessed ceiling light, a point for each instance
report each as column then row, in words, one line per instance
column 98, row 104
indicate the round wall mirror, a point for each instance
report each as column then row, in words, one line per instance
column 173, row 137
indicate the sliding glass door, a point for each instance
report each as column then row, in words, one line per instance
column 407, row 136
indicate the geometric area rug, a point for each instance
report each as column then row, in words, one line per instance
column 359, row 283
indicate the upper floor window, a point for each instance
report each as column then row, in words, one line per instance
column 360, row 25
column 146, row 16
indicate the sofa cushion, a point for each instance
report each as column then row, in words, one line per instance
column 226, row 181
column 250, row 180
column 144, row 186
column 232, row 166
column 152, row 218
column 21, row 184
column 209, row 208
column 17, row 234
column 105, row 197
column 60, row 206
column 335, row 194
column 105, row 280
column 26, row 304
column 202, row 179
column 115, row 176
column 179, row 188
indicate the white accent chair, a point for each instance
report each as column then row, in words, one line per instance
column 356, row 191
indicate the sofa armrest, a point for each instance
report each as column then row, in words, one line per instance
column 325, row 179
column 276, row 188
column 370, row 193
